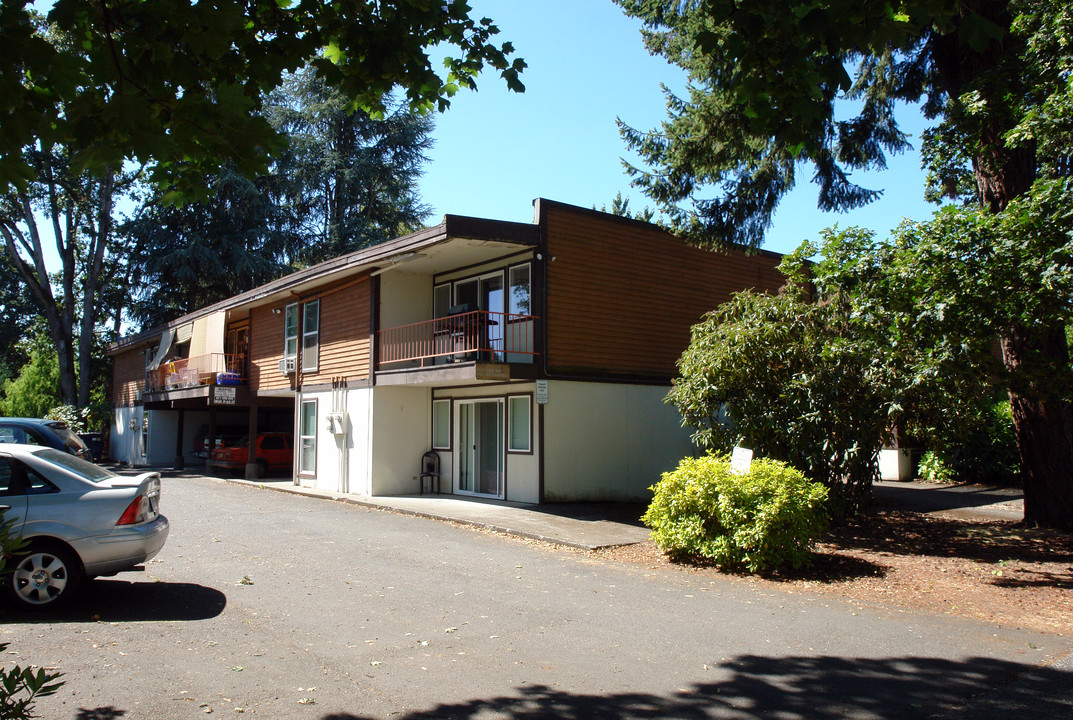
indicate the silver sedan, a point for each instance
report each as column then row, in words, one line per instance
column 76, row 519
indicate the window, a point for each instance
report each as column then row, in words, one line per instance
column 441, row 424
column 519, row 427
column 290, row 331
column 273, row 442
column 307, row 438
column 310, row 335
column 518, row 298
column 441, row 300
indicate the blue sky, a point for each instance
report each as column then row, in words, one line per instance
column 496, row 151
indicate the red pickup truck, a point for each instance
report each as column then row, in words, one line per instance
column 275, row 452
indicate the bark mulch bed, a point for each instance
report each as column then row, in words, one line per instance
column 998, row 572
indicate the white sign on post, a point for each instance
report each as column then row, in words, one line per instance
column 740, row 460
column 542, row 392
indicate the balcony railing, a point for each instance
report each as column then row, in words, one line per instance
column 478, row 335
column 212, row 369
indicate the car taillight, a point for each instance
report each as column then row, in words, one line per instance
column 133, row 514
column 144, row 507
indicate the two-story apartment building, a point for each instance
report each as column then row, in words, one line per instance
column 533, row 358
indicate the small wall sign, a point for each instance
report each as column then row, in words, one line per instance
column 542, row 392
column 222, row 395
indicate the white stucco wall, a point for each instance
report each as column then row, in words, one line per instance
column 896, row 464
column 124, row 444
column 342, row 460
column 609, row 441
column 404, row 298
column 401, row 433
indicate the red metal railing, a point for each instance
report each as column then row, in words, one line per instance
column 478, row 335
column 201, row 370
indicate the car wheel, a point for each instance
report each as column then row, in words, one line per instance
column 262, row 468
column 43, row 577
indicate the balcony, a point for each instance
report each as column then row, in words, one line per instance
column 467, row 337
column 212, row 369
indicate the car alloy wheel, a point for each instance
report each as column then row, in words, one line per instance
column 43, row 577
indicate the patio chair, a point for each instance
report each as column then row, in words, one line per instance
column 430, row 470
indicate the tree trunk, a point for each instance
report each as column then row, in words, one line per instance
column 99, row 236
column 1044, row 429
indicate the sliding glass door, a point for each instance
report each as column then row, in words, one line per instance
column 480, row 447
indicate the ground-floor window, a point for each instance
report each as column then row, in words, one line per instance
column 441, row 424
column 307, row 438
column 519, row 424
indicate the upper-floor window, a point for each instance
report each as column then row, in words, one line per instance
column 519, row 296
column 310, row 335
column 309, row 328
column 441, row 300
column 290, row 331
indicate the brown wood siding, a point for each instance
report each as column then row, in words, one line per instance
column 622, row 296
column 266, row 350
column 344, row 340
column 344, row 335
column 128, row 377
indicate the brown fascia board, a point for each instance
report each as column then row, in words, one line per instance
column 452, row 226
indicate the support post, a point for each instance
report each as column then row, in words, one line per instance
column 251, row 458
column 180, row 461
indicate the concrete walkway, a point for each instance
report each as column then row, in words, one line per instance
column 587, row 526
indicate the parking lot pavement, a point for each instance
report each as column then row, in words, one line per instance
column 974, row 502
column 278, row 605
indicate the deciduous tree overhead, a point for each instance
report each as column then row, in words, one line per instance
column 175, row 87
column 175, row 84
column 766, row 76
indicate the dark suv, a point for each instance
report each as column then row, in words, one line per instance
column 49, row 433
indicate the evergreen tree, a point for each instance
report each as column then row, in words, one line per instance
column 346, row 179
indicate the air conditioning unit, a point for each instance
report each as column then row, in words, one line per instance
column 287, row 366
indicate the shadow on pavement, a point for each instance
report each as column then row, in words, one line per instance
column 104, row 713
column 111, row 600
column 922, row 497
column 816, row 688
column 627, row 513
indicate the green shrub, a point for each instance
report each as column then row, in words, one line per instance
column 763, row 520
column 934, row 469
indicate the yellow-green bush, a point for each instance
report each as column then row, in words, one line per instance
column 763, row 520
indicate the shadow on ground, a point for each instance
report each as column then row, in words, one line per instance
column 111, row 600
column 908, row 533
column 816, row 688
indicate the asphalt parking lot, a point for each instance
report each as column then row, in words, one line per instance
column 277, row 605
